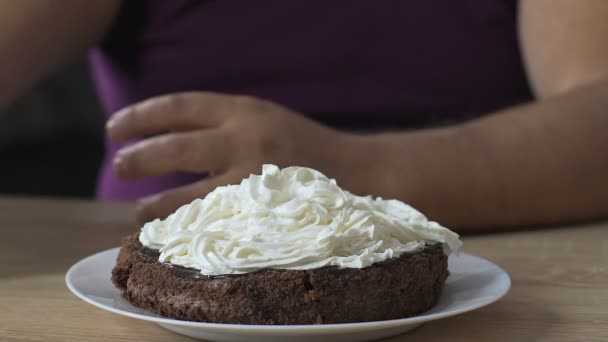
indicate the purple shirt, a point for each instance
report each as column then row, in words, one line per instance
column 351, row 64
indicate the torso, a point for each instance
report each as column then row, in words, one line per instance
column 349, row 64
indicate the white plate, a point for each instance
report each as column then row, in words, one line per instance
column 474, row 282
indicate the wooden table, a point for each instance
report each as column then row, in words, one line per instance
column 559, row 293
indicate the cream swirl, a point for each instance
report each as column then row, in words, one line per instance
column 294, row 218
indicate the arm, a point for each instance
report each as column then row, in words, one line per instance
column 37, row 36
column 541, row 163
column 535, row 164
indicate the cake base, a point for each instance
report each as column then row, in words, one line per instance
column 397, row 288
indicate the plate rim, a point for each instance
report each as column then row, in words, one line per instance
column 294, row 329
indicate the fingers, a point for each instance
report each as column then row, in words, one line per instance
column 196, row 151
column 175, row 112
column 164, row 203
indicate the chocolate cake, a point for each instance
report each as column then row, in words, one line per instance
column 396, row 288
column 288, row 246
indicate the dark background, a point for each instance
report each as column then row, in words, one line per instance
column 51, row 138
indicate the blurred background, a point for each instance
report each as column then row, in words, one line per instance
column 51, row 139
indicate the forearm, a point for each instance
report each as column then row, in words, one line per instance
column 535, row 164
column 37, row 36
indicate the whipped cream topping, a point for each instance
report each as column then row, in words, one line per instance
column 294, row 218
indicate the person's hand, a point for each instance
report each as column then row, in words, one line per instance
column 226, row 136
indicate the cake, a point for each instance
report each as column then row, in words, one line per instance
column 286, row 247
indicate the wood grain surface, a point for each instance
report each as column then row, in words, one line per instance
column 559, row 293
